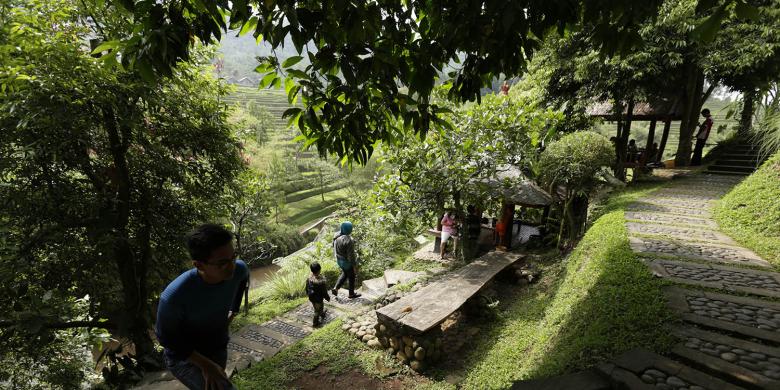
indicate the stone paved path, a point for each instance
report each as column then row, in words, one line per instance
column 256, row 342
column 723, row 293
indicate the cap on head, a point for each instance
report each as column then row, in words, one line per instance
column 204, row 239
column 705, row 111
column 346, row 227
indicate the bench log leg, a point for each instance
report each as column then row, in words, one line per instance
column 437, row 244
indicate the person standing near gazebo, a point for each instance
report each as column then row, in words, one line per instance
column 448, row 229
column 701, row 137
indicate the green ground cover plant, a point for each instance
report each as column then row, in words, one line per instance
column 596, row 303
column 750, row 213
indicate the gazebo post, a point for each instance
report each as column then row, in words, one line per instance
column 507, row 217
column 664, row 137
column 651, row 135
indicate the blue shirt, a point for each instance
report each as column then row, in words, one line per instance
column 193, row 315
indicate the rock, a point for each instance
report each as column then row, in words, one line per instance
column 367, row 337
column 383, row 340
column 675, row 381
column 374, row 343
column 472, row 331
column 647, row 379
column 389, row 351
column 729, row 357
column 353, row 330
column 655, row 373
column 416, row 365
column 346, row 326
column 382, row 328
column 419, row 353
column 360, row 334
column 394, row 344
column 408, row 351
column 401, row 357
column 407, row 340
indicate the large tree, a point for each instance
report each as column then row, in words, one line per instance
column 102, row 174
column 373, row 62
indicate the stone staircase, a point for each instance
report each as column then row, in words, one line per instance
column 739, row 159
column 729, row 331
column 256, row 342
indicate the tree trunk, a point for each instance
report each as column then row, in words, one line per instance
column 134, row 320
column 664, row 138
column 748, row 107
column 695, row 96
column 621, row 141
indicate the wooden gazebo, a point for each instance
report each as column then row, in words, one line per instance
column 658, row 110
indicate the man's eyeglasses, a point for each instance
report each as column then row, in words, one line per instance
column 224, row 262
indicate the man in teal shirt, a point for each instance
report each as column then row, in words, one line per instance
column 196, row 309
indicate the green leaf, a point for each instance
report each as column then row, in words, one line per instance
column 746, row 11
column 106, row 46
column 291, row 61
column 707, row 30
column 248, row 26
column 267, row 80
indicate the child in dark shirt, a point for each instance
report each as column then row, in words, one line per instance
column 317, row 291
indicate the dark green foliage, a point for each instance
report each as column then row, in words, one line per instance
column 574, row 164
column 102, row 175
column 371, row 64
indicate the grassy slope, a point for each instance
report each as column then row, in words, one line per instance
column 601, row 301
column 597, row 303
column 750, row 213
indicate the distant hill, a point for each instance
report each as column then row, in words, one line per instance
column 239, row 56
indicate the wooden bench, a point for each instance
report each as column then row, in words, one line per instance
column 432, row 304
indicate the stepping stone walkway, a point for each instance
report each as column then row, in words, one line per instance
column 256, row 342
column 728, row 339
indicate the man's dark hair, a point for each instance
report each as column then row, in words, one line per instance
column 471, row 209
column 705, row 111
column 315, row 268
column 204, row 239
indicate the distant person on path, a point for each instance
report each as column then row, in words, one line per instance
column 344, row 250
column 633, row 152
column 449, row 229
column 505, row 88
column 317, row 291
column 701, row 137
column 196, row 309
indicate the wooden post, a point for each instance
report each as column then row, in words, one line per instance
column 650, row 139
column 507, row 216
column 664, row 137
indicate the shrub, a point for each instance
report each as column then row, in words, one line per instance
column 574, row 163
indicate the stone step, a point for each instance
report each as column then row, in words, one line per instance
column 670, row 219
column 670, row 231
column 720, row 277
column 701, row 212
column 727, row 313
column 704, row 196
column 377, row 286
column 697, row 250
column 303, row 315
column 343, row 302
column 730, row 173
column 640, row 369
column 584, row 380
column 258, row 340
column 738, row 361
column 396, row 276
column 750, row 162
column 720, row 167
column 678, row 203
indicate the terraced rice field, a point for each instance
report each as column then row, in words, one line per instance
column 303, row 194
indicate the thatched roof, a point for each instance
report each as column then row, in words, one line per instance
column 514, row 187
column 659, row 110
